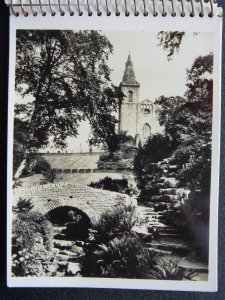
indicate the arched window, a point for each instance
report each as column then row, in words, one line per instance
column 146, row 131
column 130, row 96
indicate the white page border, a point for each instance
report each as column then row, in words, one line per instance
column 132, row 23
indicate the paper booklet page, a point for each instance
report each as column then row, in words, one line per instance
column 114, row 144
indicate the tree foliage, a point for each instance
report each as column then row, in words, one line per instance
column 170, row 41
column 66, row 74
column 188, row 122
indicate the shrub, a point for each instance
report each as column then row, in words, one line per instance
column 167, row 269
column 109, row 184
column 124, row 257
column 35, row 163
column 31, row 242
column 115, row 222
column 50, row 176
column 23, row 205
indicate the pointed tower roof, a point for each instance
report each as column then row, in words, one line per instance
column 129, row 75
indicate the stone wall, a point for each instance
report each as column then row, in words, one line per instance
column 91, row 201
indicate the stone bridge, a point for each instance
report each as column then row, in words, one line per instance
column 92, row 202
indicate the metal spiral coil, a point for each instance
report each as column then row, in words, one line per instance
column 128, row 8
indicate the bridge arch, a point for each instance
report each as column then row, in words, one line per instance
column 93, row 202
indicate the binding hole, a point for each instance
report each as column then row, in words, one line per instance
column 136, row 13
column 126, row 10
column 15, row 13
column 31, row 7
column 155, row 14
column 108, row 13
column 182, row 8
column 43, row 13
column 173, row 14
column 164, row 12
column 145, row 14
column 202, row 11
column 117, row 11
column 71, row 13
column 50, row 6
column 211, row 7
column 99, row 13
column 25, row 13
column 89, row 11
column 192, row 14
column 80, row 13
column 62, row 13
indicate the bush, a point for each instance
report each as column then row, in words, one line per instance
column 115, row 222
column 23, row 205
column 50, row 176
column 167, row 269
column 109, row 184
column 35, row 163
column 124, row 257
column 31, row 242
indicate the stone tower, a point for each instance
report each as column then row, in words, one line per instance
column 128, row 113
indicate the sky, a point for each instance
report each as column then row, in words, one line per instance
column 157, row 76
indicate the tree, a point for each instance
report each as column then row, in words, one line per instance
column 188, row 121
column 66, row 74
column 19, row 142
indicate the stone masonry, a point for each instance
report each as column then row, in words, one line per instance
column 93, row 202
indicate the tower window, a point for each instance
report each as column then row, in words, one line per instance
column 130, row 96
column 146, row 131
column 146, row 111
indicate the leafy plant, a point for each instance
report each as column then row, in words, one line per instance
column 50, row 176
column 32, row 239
column 23, row 205
column 115, row 222
column 167, row 269
column 116, row 185
column 124, row 257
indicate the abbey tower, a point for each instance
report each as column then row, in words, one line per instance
column 137, row 118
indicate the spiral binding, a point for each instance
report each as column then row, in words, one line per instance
column 145, row 8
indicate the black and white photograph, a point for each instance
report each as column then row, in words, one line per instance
column 112, row 148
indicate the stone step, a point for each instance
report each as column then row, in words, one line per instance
column 168, row 191
column 159, row 198
column 164, row 198
column 164, row 252
column 181, row 248
column 193, row 266
column 170, row 182
column 151, row 213
column 168, row 230
column 144, row 208
column 170, row 235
